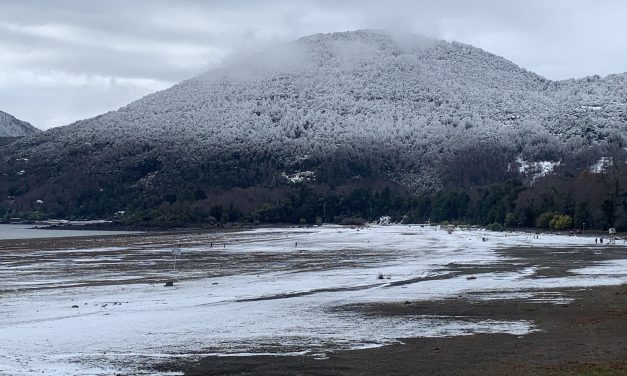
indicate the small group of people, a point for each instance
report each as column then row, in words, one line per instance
column 596, row 241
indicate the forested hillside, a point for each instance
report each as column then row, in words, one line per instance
column 330, row 115
column 12, row 127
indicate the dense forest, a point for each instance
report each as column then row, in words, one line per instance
column 560, row 201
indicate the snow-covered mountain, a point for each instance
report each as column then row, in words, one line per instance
column 12, row 127
column 341, row 108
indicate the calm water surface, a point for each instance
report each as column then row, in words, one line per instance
column 31, row 232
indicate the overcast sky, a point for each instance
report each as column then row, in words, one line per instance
column 64, row 60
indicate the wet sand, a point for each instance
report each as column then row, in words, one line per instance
column 585, row 337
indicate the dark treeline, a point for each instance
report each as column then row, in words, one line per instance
column 567, row 199
column 555, row 202
column 591, row 201
column 504, row 205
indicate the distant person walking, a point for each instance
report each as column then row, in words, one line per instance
column 596, row 241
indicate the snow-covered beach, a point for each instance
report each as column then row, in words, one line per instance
column 272, row 291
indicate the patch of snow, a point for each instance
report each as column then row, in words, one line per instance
column 300, row 176
column 536, row 169
column 604, row 268
column 601, row 165
column 385, row 220
column 590, row 107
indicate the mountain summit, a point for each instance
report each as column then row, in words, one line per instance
column 12, row 127
column 341, row 109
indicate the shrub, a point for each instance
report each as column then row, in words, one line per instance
column 561, row 222
column 544, row 220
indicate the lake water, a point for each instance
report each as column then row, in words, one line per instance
column 34, row 232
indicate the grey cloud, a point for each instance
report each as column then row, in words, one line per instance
column 64, row 60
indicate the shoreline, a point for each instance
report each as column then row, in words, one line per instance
column 109, row 225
